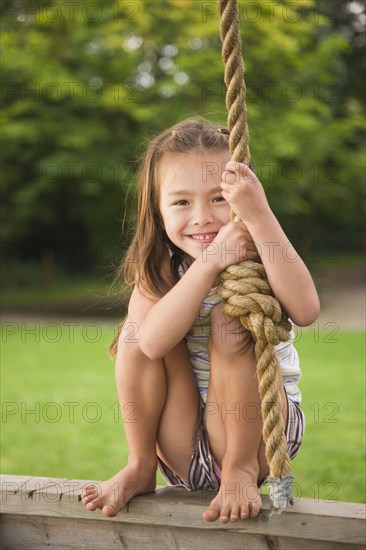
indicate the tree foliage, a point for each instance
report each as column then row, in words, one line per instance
column 85, row 84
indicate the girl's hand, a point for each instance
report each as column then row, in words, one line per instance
column 233, row 244
column 244, row 192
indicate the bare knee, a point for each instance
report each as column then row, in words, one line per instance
column 228, row 336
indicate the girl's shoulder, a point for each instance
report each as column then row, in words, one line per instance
column 142, row 299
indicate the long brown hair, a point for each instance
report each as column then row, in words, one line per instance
column 142, row 263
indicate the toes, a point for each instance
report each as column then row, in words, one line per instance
column 91, row 506
column 109, row 511
column 212, row 513
column 235, row 512
column 225, row 513
column 90, row 492
column 255, row 508
column 244, row 513
column 232, row 511
column 89, row 496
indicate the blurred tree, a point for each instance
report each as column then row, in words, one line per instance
column 86, row 83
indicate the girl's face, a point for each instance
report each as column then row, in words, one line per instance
column 191, row 203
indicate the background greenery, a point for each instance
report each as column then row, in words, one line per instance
column 60, row 411
column 85, row 84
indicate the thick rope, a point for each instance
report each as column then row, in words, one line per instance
column 245, row 289
column 234, row 80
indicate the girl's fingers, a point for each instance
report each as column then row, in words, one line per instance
column 230, row 177
column 241, row 170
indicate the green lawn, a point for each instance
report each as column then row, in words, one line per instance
column 60, row 414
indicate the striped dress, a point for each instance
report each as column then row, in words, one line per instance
column 197, row 344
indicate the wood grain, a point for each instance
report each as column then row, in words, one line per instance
column 47, row 512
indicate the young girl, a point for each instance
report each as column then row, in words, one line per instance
column 189, row 370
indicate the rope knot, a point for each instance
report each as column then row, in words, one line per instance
column 248, row 297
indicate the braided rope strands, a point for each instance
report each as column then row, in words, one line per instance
column 245, row 289
column 234, row 80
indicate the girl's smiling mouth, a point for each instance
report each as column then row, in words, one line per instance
column 203, row 237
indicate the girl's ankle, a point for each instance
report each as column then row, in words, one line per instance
column 145, row 463
column 249, row 466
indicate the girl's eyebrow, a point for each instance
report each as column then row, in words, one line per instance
column 178, row 192
column 186, row 192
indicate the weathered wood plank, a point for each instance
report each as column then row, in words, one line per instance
column 172, row 510
column 43, row 533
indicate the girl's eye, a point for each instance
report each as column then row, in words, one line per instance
column 182, row 202
column 219, row 199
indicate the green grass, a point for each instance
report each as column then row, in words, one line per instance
column 85, row 440
column 60, row 414
column 331, row 463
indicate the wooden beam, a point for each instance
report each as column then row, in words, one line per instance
column 47, row 513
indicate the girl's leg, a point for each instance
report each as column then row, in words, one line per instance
column 179, row 415
column 164, row 401
column 235, row 428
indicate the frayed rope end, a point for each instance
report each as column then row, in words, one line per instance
column 280, row 493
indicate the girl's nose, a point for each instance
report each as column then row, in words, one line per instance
column 202, row 215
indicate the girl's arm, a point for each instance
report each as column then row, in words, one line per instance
column 287, row 274
column 162, row 324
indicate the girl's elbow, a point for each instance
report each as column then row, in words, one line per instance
column 150, row 349
column 308, row 315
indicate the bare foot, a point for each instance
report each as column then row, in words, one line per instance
column 112, row 495
column 238, row 497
